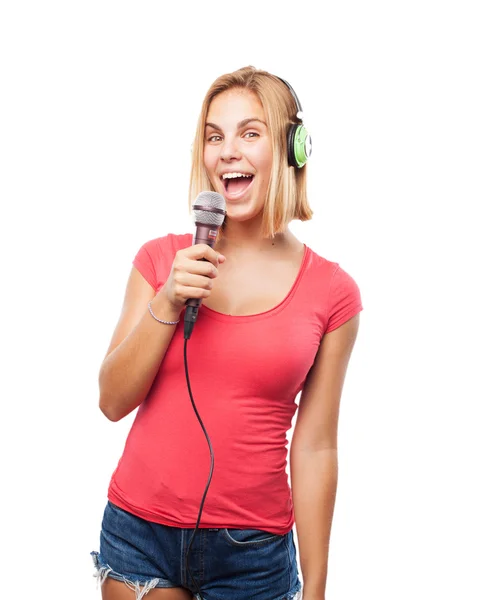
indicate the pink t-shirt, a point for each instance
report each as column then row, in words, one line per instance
column 245, row 373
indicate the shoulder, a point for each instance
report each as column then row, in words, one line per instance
column 337, row 288
column 336, row 275
column 322, row 269
column 344, row 298
column 155, row 257
column 164, row 245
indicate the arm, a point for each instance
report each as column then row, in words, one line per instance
column 137, row 348
column 139, row 342
column 314, row 459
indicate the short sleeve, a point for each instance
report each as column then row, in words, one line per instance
column 145, row 260
column 344, row 299
column 155, row 258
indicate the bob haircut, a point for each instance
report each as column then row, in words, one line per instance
column 286, row 198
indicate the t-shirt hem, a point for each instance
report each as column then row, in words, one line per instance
column 154, row 518
column 351, row 313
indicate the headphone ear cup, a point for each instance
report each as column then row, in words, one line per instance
column 299, row 145
column 292, row 162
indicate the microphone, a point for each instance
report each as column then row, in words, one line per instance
column 209, row 210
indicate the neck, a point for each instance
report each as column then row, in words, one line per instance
column 246, row 237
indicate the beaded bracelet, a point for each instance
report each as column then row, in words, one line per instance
column 159, row 320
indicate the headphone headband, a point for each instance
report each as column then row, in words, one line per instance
column 296, row 99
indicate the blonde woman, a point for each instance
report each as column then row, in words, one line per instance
column 276, row 319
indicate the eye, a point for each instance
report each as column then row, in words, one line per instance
column 250, row 134
column 213, row 138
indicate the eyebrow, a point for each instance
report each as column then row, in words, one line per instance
column 240, row 124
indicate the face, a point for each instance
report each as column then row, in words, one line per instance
column 238, row 153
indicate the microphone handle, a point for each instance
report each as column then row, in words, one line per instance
column 205, row 234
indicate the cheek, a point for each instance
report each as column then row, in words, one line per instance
column 209, row 159
column 263, row 160
column 264, row 167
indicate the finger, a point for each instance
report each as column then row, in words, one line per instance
column 187, row 292
column 199, row 251
column 200, row 267
column 191, row 280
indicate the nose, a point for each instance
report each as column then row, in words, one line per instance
column 230, row 150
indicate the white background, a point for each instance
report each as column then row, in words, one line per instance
column 99, row 104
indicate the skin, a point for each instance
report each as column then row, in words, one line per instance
column 252, row 262
column 232, row 147
column 229, row 146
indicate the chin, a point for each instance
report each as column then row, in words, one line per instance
column 240, row 213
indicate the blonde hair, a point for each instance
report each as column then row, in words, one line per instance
column 286, row 198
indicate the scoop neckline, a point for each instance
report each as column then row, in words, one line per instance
column 219, row 316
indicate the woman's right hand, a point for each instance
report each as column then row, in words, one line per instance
column 191, row 277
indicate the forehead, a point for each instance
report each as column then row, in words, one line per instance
column 235, row 105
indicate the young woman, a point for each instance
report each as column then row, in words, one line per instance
column 276, row 319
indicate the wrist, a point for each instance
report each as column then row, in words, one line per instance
column 163, row 308
column 314, row 591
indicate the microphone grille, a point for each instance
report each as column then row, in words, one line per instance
column 209, row 200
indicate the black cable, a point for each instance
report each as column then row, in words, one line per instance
column 211, row 471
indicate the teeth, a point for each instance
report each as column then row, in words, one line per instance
column 234, row 175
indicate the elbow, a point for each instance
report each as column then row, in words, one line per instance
column 109, row 411
column 105, row 404
column 109, row 415
column 116, row 402
column 107, row 407
column 113, row 406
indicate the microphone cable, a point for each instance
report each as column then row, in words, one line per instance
column 209, row 210
column 211, row 470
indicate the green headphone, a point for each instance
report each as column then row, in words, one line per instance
column 298, row 139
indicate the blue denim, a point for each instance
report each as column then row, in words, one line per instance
column 227, row 564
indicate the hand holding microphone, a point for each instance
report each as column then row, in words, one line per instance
column 209, row 210
column 191, row 275
column 194, row 268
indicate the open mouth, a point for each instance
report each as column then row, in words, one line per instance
column 237, row 183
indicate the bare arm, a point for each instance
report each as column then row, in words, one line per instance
column 137, row 349
column 314, row 460
column 139, row 342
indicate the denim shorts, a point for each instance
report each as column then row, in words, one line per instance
column 227, row 564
